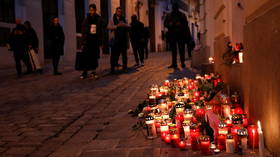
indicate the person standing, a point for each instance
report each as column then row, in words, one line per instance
column 146, row 41
column 19, row 44
column 33, row 41
column 56, row 37
column 92, row 40
column 119, row 39
column 176, row 23
column 137, row 39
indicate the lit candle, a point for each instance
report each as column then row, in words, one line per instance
column 151, row 128
column 252, row 136
column 167, row 138
column 200, row 112
column 152, row 99
column 175, row 138
column 205, row 145
column 221, row 142
column 166, row 83
column 240, row 57
column 182, row 145
column 242, row 134
column 222, row 129
column 194, row 133
column 211, row 60
column 188, row 114
column 261, row 142
column 186, row 128
column 230, row 144
column 180, row 108
column 228, row 122
column 244, row 120
column 226, row 111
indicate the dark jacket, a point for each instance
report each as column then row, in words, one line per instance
column 177, row 25
column 32, row 38
column 18, row 39
column 92, row 29
column 136, row 31
column 121, row 33
column 56, row 38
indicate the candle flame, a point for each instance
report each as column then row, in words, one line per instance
column 259, row 125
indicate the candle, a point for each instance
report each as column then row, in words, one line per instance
column 244, row 120
column 217, row 151
column 230, row 144
column 242, row 138
column 175, row 138
column 180, row 108
column 261, row 142
column 166, row 83
column 188, row 114
column 182, row 145
column 167, row 138
column 211, row 60
column 151, row 128
column 221, row 142
column 240, row 57
column 226, row 111
column 194, row 133
column 200, row 112
column 228, row 122
column 222, row 129
column 237, row 110
column 253, row 136
column 186, row 130
column 205, row 145
column 152, row 99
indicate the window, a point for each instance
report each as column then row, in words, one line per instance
column 80, row 14
column 7, row 11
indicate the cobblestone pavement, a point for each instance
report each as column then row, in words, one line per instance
column 63, row 116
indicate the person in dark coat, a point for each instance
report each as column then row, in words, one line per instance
column 18, row 42
column 146, row 41
column 33, row 41
column 119, row 41
column 137, row 39
column 56, row 37
column 176, row 23
column 92, row 40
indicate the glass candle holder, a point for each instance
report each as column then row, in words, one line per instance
column 205, row 145
column 230, row 144
column 180, row 108
column 194, row 133
column 151, row 128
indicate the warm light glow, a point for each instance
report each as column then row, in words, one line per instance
column 211, row 60
column 259, row 126
column 240, row 57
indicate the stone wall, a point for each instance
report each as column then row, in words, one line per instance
column 258, row 78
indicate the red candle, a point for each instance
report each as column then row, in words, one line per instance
column 182, row 145
column 215, row 82
column 163, row 135
column 157, row 123
column 175, row 139
column 200, row 112
column 253, row 139
column 244, row 120
column 167, row 138
column 234, row 130
column 228, row 122
column 237, row 110
column 221, row 142
column 194, row 133
column 197, row 94
column 205, row 145
column 166, row 83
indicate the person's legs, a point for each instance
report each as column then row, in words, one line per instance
column 17, row 58
column 26, row 61
column 113, row 58
column 56, row 59
column 124, row 57
column 141, row 52
column 181, row 46
column 189, row 51
column 135, row 52
column 146, row 49
column 173, row 46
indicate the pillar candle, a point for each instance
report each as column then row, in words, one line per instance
column 230, row 145
column 175, row 139
column 167, row 138
column 221, row 140
column 194, row 133
column 182, row 145
column 186, row 130
column 226, row 111
column 244, row 143
column 253, row 138
column 205, row 146
column 261, row 142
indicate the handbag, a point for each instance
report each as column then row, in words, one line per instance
column 34, row 60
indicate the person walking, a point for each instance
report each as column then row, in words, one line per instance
column 137, row 39
column 119, row 39
column 146, row 41
column 56, row 37
column 92, row 40
column 176, row 23
column 18, row 42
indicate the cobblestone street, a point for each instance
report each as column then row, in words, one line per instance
column 63, row 116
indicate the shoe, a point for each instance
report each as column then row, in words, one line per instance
column 173, row 66
column 136, row 65
column 142, row 64
column 93, row 75
column 57, row 73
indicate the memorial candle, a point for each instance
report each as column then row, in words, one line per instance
column 180, row 108
column 205, row 145
column 186, row 127
column 194, row 133
column 175, row 138
column 188, row 114
column 221, row 142
column 167, row 138
column 166, row 83
column 230, row 144
column 182, row 145
column 200, row 112
column 261, row 142
column 151, row 128
column 253, row 136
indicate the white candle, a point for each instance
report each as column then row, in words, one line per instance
column 244, row 141
column 261, row 142
column 230, row 145
column 240, row 57
column 186, row 130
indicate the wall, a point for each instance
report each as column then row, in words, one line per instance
column 258, row 78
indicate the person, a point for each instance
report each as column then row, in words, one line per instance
column 92, row 37
column 119, row 39
column 146, row 41
column 137, row 39
column 33, row 41
column 176, row 23
column 56, row 37
column 18, row 43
